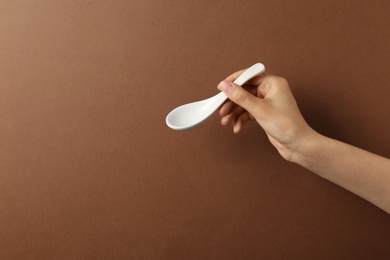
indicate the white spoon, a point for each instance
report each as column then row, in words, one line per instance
column 191, row 115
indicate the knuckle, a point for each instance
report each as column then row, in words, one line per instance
column 278, row 83
column 282, row 81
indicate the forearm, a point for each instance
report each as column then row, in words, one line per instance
column 361, row 172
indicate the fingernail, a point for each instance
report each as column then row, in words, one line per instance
column 225, row 86
column 235, row 129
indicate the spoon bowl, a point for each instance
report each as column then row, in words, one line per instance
column 193, row 114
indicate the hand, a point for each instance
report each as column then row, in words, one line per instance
column 268, row 100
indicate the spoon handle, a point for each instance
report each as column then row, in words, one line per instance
column 248, row 74
column 251, row 72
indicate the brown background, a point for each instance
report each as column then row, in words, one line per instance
column 89, row 170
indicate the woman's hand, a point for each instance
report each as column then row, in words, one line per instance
column 268, row 100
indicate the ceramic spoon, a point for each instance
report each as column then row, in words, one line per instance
column 191, row 115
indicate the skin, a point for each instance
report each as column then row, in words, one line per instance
column 268, row 100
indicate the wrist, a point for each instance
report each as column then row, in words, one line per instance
column 308, row 147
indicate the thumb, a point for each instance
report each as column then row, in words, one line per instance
column 239, row 96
